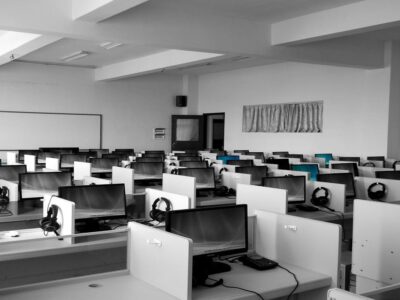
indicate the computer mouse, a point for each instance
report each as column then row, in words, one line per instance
column 12, row 233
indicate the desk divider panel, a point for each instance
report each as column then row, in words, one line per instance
column 12, row 158
column 242, row 156
column 52, row 163
column 271, row 166
column 339, row 294
column 293, row 160
column 376, row 246
column 387, row 292
column 232, row 180
column 182, row 185
column 370, row 171
column 337, row 194
column 95, row 180
column 310, row 244
column 125, row 176
column 392, row 188
column 30, row 162
column 66, row 214
column 280, row 172
column 332, row 171
column 262, row 198
column 178, row 201
column 211, row 156
column 161, row 259
column 12, row 189
column 82, row 170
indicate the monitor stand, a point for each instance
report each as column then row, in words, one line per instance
column 203, row 266
column 91, row 226
column 291, row 207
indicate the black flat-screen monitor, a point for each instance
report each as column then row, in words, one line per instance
column 240, row 162
column 376, row 158
column 193, row 164
column 342, row 178
column 100, row 201
column 21, row 154
column 36, row 185
column 149, row 159
column 295, row 185
column 99, row 152
column 130, row 152
column 258, row 155
column 281, row 153
column 189, row 158
column 388, row 174
column 11, row 172
column 283, row 163
column 60, row 149
column 119, row 156
column 350, row 158
column 104, row 163
column 154, row 152
column 214, row 230
column 351, row 167
column 257, row 173
column 205, row 177
column 185, row 154
column 244, row 152
column 160, row 155
column 312, row 169
column 67, row 160
column 149, row 168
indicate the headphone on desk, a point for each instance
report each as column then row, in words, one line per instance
column 157, row 214
column 49, row 223
column 368, row 164
column 4, row 197
column 321, row 200
column 377, row 194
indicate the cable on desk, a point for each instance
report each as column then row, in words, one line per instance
column 236, row 287
column 295, row 278
column 4, row 212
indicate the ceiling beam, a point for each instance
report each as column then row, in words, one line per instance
column 341, row 21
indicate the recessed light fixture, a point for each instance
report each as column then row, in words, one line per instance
column 110, row 45
column 75, row 55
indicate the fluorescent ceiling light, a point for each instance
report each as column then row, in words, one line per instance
column 110, row 45
column 75, row 55
column 11, row 40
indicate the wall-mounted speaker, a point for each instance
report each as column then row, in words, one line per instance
column 181, row 101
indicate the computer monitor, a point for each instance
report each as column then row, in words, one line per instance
column 149, row 168
column 99, row 152
column 283, row 163
column 351, row 167
column 11, row 172
column 244, row 152
column 67, row 160
column 119, row 156
column 376, row 158
column 104, row 163
column 205, row 177
column 193, row 164
column 149, row 159
column 312, row 169
column 215, row 231
column 95, row 202
column 300, row 156
column 295, row 185
column 257, row 173
column 327, row 156
column 160, row 155
column 241, row 162
column 350, row 158
column 189, row 158
column 395, row 175
column 21, row 154
column 154, row 152
column 130, row 152
column 281, row 153
column 36, row 185
column 225, row 158
column 190, row 154
column 258, row 155
column 342, row 178
column 60, row 150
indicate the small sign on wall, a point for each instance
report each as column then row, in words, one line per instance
column 159, row 133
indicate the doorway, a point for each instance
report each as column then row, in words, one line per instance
column 214, row 130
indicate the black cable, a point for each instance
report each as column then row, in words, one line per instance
column 295, row 278
column 236, row 287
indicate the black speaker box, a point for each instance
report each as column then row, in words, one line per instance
column 181, row 101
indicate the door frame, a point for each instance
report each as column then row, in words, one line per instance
column 206, row 115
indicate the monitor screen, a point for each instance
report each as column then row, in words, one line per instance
column 102, row 201
column 60, row 149
column 214, row 230
column 350, row 158
column 376, row 158
column 130, row 152
column 119, row 156
column 244, row 152
column 189, row 158
column 351, row 167
column 281, row 153
column 159, row 152
column 388, row 174
column 257, row 173
column 104, row 163
column 225, row 158
column 37, row 184
column 185, row 154
column 241, row 162
column 283, row 163
column 160, row 155
column 67, row 160
column 149, row 159
column 99, row 152
column 313, row 169
column 342, row 178
column 258, row 155
column 205, row 177
column 295, row 185
column 21, row 154
column 327, row 156
column 11, row 172
column 193, row 164
column 149, row 168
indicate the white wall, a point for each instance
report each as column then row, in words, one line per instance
column 131, row 108
column 355, row 106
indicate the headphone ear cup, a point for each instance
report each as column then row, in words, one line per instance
column 320, row 200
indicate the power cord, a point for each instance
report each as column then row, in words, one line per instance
column 295, row 278
column 235, row 287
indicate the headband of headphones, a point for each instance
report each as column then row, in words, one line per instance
column 223, row 170
column 377, row 194
column 369, row 164
column 159, row 200
column 320, row 200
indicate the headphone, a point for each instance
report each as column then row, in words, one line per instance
column 174, row 171
column 49, row 223
column 4, row 196
column 369, row 164
column 224, row 191
column 395, row 163
column 223, row 170
column 157, row 214
column 322, row 200
column 172, row 164
column 379, row 194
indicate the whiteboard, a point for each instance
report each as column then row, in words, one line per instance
column 31, row 130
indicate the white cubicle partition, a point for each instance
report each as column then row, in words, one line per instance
column 182, row 185
column 376, row 246
column 337, row 194
column 261, row 198
column 82, row 170
column 339, row 294
column 65, row 216
column 280, row 172
column 370, row 171
column 30, row 162
column 307, row 243
column 385, row 293
column 332, row 171
column 392, row 188
column 162, row 259
column 95, row 180
column 177, row 201
column 231, row 180
column 12, row 158
column 52, row 164
column 271, row 166
column 125, row 176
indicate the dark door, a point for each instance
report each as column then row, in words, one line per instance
column 187, row 132
column 218, row 134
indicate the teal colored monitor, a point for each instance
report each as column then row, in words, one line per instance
column 225, row 158
column 313, row 169
column 327, row 156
